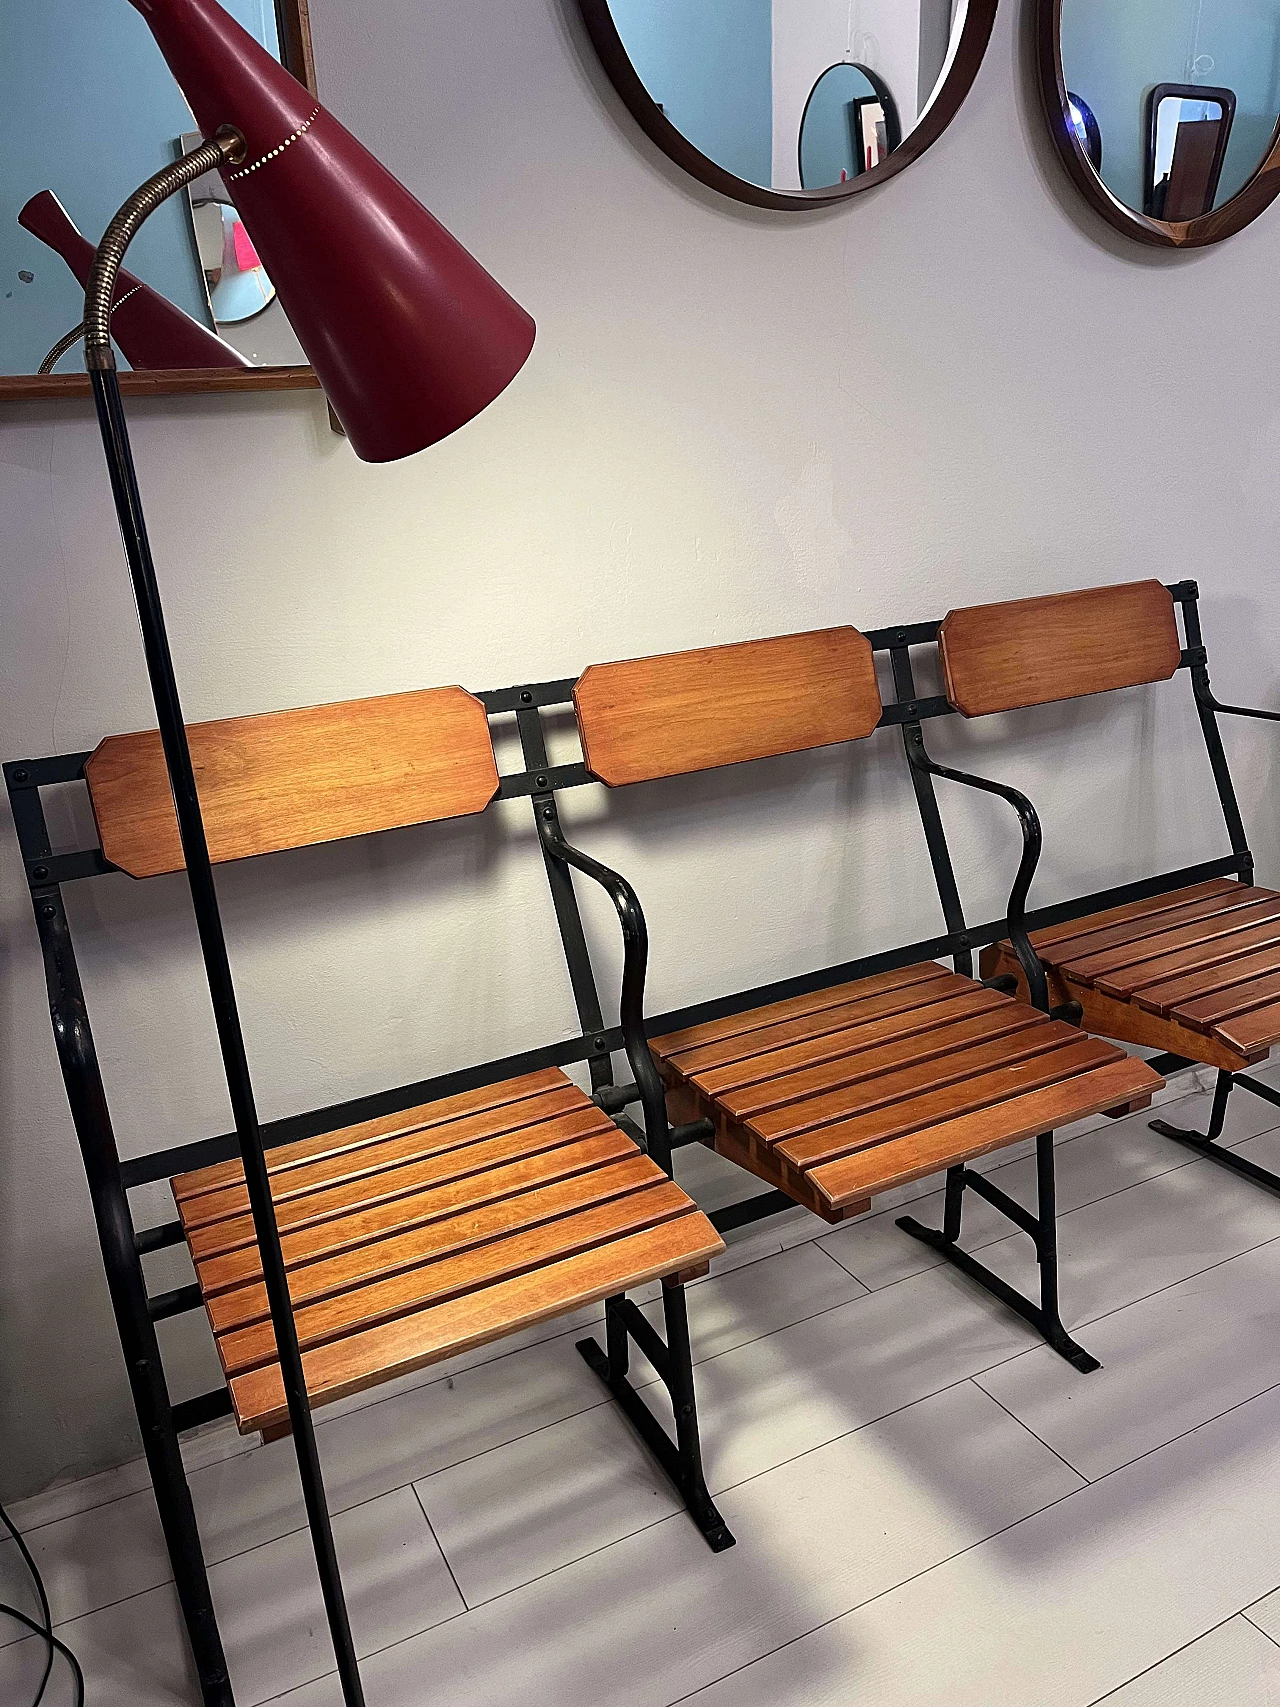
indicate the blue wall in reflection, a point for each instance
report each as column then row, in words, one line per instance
column 709, row 64
column 88, row 109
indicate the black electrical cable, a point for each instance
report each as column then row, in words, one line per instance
column 44, row 1628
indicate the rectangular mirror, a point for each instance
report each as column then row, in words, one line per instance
column 88, row 111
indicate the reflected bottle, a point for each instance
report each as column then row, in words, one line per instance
column 152, row 332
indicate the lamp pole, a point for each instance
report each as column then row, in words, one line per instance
column 226, row 148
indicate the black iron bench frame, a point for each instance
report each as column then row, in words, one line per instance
column 124, row 1246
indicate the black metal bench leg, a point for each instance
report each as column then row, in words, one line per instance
column 1042, row 1227
column 681, row 1459
column 1206, row 1143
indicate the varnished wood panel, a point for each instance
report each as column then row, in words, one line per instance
column 1241, row 971
column 1128, row 960
column 1095, row 939
column 290, row 778
column 1253, row 1033
column 723, row 705
column 1132, row 979
column 1034, row 651
column 358, row 1361
column 1205, row 1012
column 1120, row 1084
column 1055, row 939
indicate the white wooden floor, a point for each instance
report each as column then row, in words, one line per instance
column 929, row 1506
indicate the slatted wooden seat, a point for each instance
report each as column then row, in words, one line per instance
column 849, row 1090
column 1190, row 968
column 856, row 1089
column 1195, row 971
column 415, row 1237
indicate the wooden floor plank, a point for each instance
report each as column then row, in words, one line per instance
column 397, row 1348
column 1093, row 939
column 387, row 1153
column 692, row 1037
column 285, row 1156
column 1205, row 1013
column 813, row 1148
column 1053, row 935
column 349, row 1232
column 431, row 1283
column 1135, row 978
column 848, row 1041
column 934, row 1148
column 1169, row 995
column 906, row 1083
column 400, row 1182
column 1094, row 968
column 441, row 1236
column 1253, row 1032
column 931, row 1045
column 863, row 1012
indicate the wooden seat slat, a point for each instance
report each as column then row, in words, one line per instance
column 346, row 1233
column 435, row 1280
column 824, row 1143
column 878, row 1090
column 1254, row 1031
column 1132, row 956
column 854, row 1178
column 1170, row 995
column 1135, row 930
column 1208, row 1011
column 395, row 1348
column 441, row 1235
column 767, row 1094
column 797, row 1041
column 1053, row 936
column 284, row 1156
column 752, row 1019
column 400, row 1182
column 387, row 1153
column 1199, row 955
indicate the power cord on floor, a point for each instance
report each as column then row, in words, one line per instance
column 45, row 1627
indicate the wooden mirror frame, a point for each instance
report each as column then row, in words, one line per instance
column 976, row 34
column 1255, row 195
column 293, row 18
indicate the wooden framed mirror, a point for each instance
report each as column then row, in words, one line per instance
column 725, row 87
column 1166, row 117
column 88, row 111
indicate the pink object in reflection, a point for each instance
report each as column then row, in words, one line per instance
column 246, row 254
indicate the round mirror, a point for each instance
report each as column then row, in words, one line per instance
column 792, row 103
column 1166, row 115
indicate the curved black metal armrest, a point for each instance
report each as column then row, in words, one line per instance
column 635, row 941
column 1032, row 842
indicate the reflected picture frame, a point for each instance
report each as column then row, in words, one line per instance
column 1208, row 95
column 883, row 97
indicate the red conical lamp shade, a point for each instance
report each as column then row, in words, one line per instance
column 409, row 335
column 152, row 331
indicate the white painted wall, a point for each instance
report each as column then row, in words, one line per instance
column 734, row 423
column 810, row 35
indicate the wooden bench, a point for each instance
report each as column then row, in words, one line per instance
column 1187, row 963
column 854, row 1086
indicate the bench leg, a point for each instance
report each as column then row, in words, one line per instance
column 1042, row 1227
column 1206, row 1143
column 681, row 1458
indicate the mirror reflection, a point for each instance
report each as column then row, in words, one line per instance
column 88, row 111
column 1177, row 100
column 792, row 94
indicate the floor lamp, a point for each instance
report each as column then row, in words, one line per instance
column 410, row 338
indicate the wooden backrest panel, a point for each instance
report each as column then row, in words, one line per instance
column 1034, row 651
column 693, row 711
column 290, row 778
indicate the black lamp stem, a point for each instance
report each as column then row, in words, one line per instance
column 164, row 688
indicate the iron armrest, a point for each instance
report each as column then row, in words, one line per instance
column 1032, row 843
column 635, row 941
